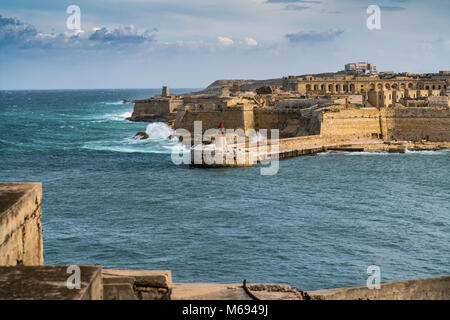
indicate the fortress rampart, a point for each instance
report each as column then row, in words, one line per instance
column 431, row 124
column 338, row 123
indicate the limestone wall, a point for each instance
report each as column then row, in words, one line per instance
column 232, row 118
column 388, row 123
column 290, row 122
column 155, row 106
column 415, row 124
column 292, row 143
column 420, row 289
column 20, row 224
column 351, row 124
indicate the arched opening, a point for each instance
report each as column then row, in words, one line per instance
column 387, row 86
column 434, row 87
column 427, row 87
column 380, row 86
column 308, row 87
column 316, row 87
column 395, row 86
column 352, row 87
column 322, row 87
column 372, row 86
column 338, row 87
column 410, row 85
column 330, row 87
column 403, row 86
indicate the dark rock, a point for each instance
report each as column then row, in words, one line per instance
column 141, row 135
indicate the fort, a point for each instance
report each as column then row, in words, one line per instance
column 351, row 110
column 342, row 111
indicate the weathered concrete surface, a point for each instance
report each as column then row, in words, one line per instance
column 208, row 291
column 137, row 284
column 118, row 291
column 20, row 224
column 49, row 283
column 212, row 291
column 420, row 289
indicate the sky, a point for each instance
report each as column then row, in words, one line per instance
column 190, row 44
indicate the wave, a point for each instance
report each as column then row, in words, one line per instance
column 158, row 142
column 115, row 102
column 159, row 131
column 428, row 152
column 122, row 116
column 350, row 153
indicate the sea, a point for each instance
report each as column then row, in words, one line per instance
column 320, row 222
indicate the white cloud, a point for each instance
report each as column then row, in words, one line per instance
column 225, row 41
column 251, row 42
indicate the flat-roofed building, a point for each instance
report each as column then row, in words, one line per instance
column 361, row 67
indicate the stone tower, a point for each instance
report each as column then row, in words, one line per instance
column 235, row 87
column 165, row 91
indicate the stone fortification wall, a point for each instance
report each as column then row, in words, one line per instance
column 20, row 224
column 350, row 124
column 231, row 118
column 388, row 123
column 432, row 124
column 154, row 107
column 291, row 123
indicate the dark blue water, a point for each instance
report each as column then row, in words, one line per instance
column 319, row 223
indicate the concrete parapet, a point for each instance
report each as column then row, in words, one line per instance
column 20, row 224
column 137, row 284
column 420, row 289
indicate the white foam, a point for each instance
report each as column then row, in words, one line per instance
column 159, row 131
column 113, row 117
column 115, row 102
column 352, row 153
column 427, row 152
column 157, row 142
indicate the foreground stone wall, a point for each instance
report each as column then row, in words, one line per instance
column 49, row 283
column 20, row 224
column 420, row 289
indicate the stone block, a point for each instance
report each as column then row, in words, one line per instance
column 118, row 291
column 151, row 278
column 49, row 283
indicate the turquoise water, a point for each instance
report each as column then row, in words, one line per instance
column 319, row 223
